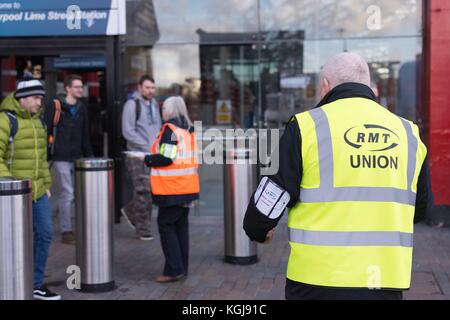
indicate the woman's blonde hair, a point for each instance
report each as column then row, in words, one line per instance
column 175, row 107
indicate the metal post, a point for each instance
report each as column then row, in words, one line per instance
column 239, row 184
column 94, row 182
column 242, row 87
column 16, row 240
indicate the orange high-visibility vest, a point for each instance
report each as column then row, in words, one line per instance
column 181, row 177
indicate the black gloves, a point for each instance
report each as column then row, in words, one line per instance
column 148, row 160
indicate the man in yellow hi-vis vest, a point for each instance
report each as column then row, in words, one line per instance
column 355, row 179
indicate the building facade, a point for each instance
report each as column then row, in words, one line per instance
column 254, row 63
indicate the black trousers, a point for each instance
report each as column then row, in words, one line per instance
column 301, row 291
column 174, row 233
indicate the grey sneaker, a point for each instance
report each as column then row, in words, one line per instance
column 127, row 219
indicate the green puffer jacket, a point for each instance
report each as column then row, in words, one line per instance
column 30, row 147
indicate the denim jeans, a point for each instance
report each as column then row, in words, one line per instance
column 42, row 237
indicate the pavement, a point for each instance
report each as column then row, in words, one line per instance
column 138, row 262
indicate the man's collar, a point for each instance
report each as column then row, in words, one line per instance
column 347, row 90
column 65, row 106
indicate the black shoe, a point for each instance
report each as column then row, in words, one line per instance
column 43, row 293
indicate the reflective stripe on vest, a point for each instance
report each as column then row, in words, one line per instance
column 354, row 239
column 173, row 173
column 328, row 193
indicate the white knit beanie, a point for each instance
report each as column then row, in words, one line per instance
column 29, row 87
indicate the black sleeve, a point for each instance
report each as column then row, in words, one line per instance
column 288, row 177
column 86, row 139
column 49, row 113
column 424, row 198
column 158, row 160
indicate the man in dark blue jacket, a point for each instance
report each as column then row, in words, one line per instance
column 71, row 142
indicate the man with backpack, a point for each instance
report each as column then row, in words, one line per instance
column 141, row 122
column 68, row 129
column 23, row 154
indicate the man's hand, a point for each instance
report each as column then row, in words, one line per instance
column 49, row 194
column 148, row 161
column 269, row 236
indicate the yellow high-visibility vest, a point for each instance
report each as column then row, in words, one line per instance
column 353, row 224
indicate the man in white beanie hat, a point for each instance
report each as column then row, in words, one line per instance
column 23, row 154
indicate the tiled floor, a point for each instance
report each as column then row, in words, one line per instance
column 137, row 263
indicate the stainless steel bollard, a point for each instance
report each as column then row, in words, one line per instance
column 16, row 240
column 94, row 180
column 240, row 177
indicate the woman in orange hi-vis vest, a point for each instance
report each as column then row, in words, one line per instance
column 175, row 185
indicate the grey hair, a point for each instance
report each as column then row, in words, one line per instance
column 346, row 67
column 175, row 107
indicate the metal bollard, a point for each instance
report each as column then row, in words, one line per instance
column 239, row 184
column 94, row 181
column 16, row 240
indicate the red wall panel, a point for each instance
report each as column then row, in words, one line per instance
column 439, row 59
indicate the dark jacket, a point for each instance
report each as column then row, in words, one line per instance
column 289, row 177
column 158, row 160
column 72, row 139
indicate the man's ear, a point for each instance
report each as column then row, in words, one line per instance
column 325, row 87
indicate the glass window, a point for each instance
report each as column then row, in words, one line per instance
column 394, row 64
column 386, row 33
column 137, row 62
column 176, row 71
column 181, row 20
column 229, row 84
column 325, row 19
column 233, row 74
column 229, row 78
column 218, row 82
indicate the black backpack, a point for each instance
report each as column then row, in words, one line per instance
column 138, row 115
column 138, row 109
column 13, row 127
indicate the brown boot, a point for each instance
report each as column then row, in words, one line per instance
column 68, row 238
column 165, row 279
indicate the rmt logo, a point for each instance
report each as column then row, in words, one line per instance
column 371, row 137
column 370, row 140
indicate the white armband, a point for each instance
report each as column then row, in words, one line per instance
column 271, row 199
